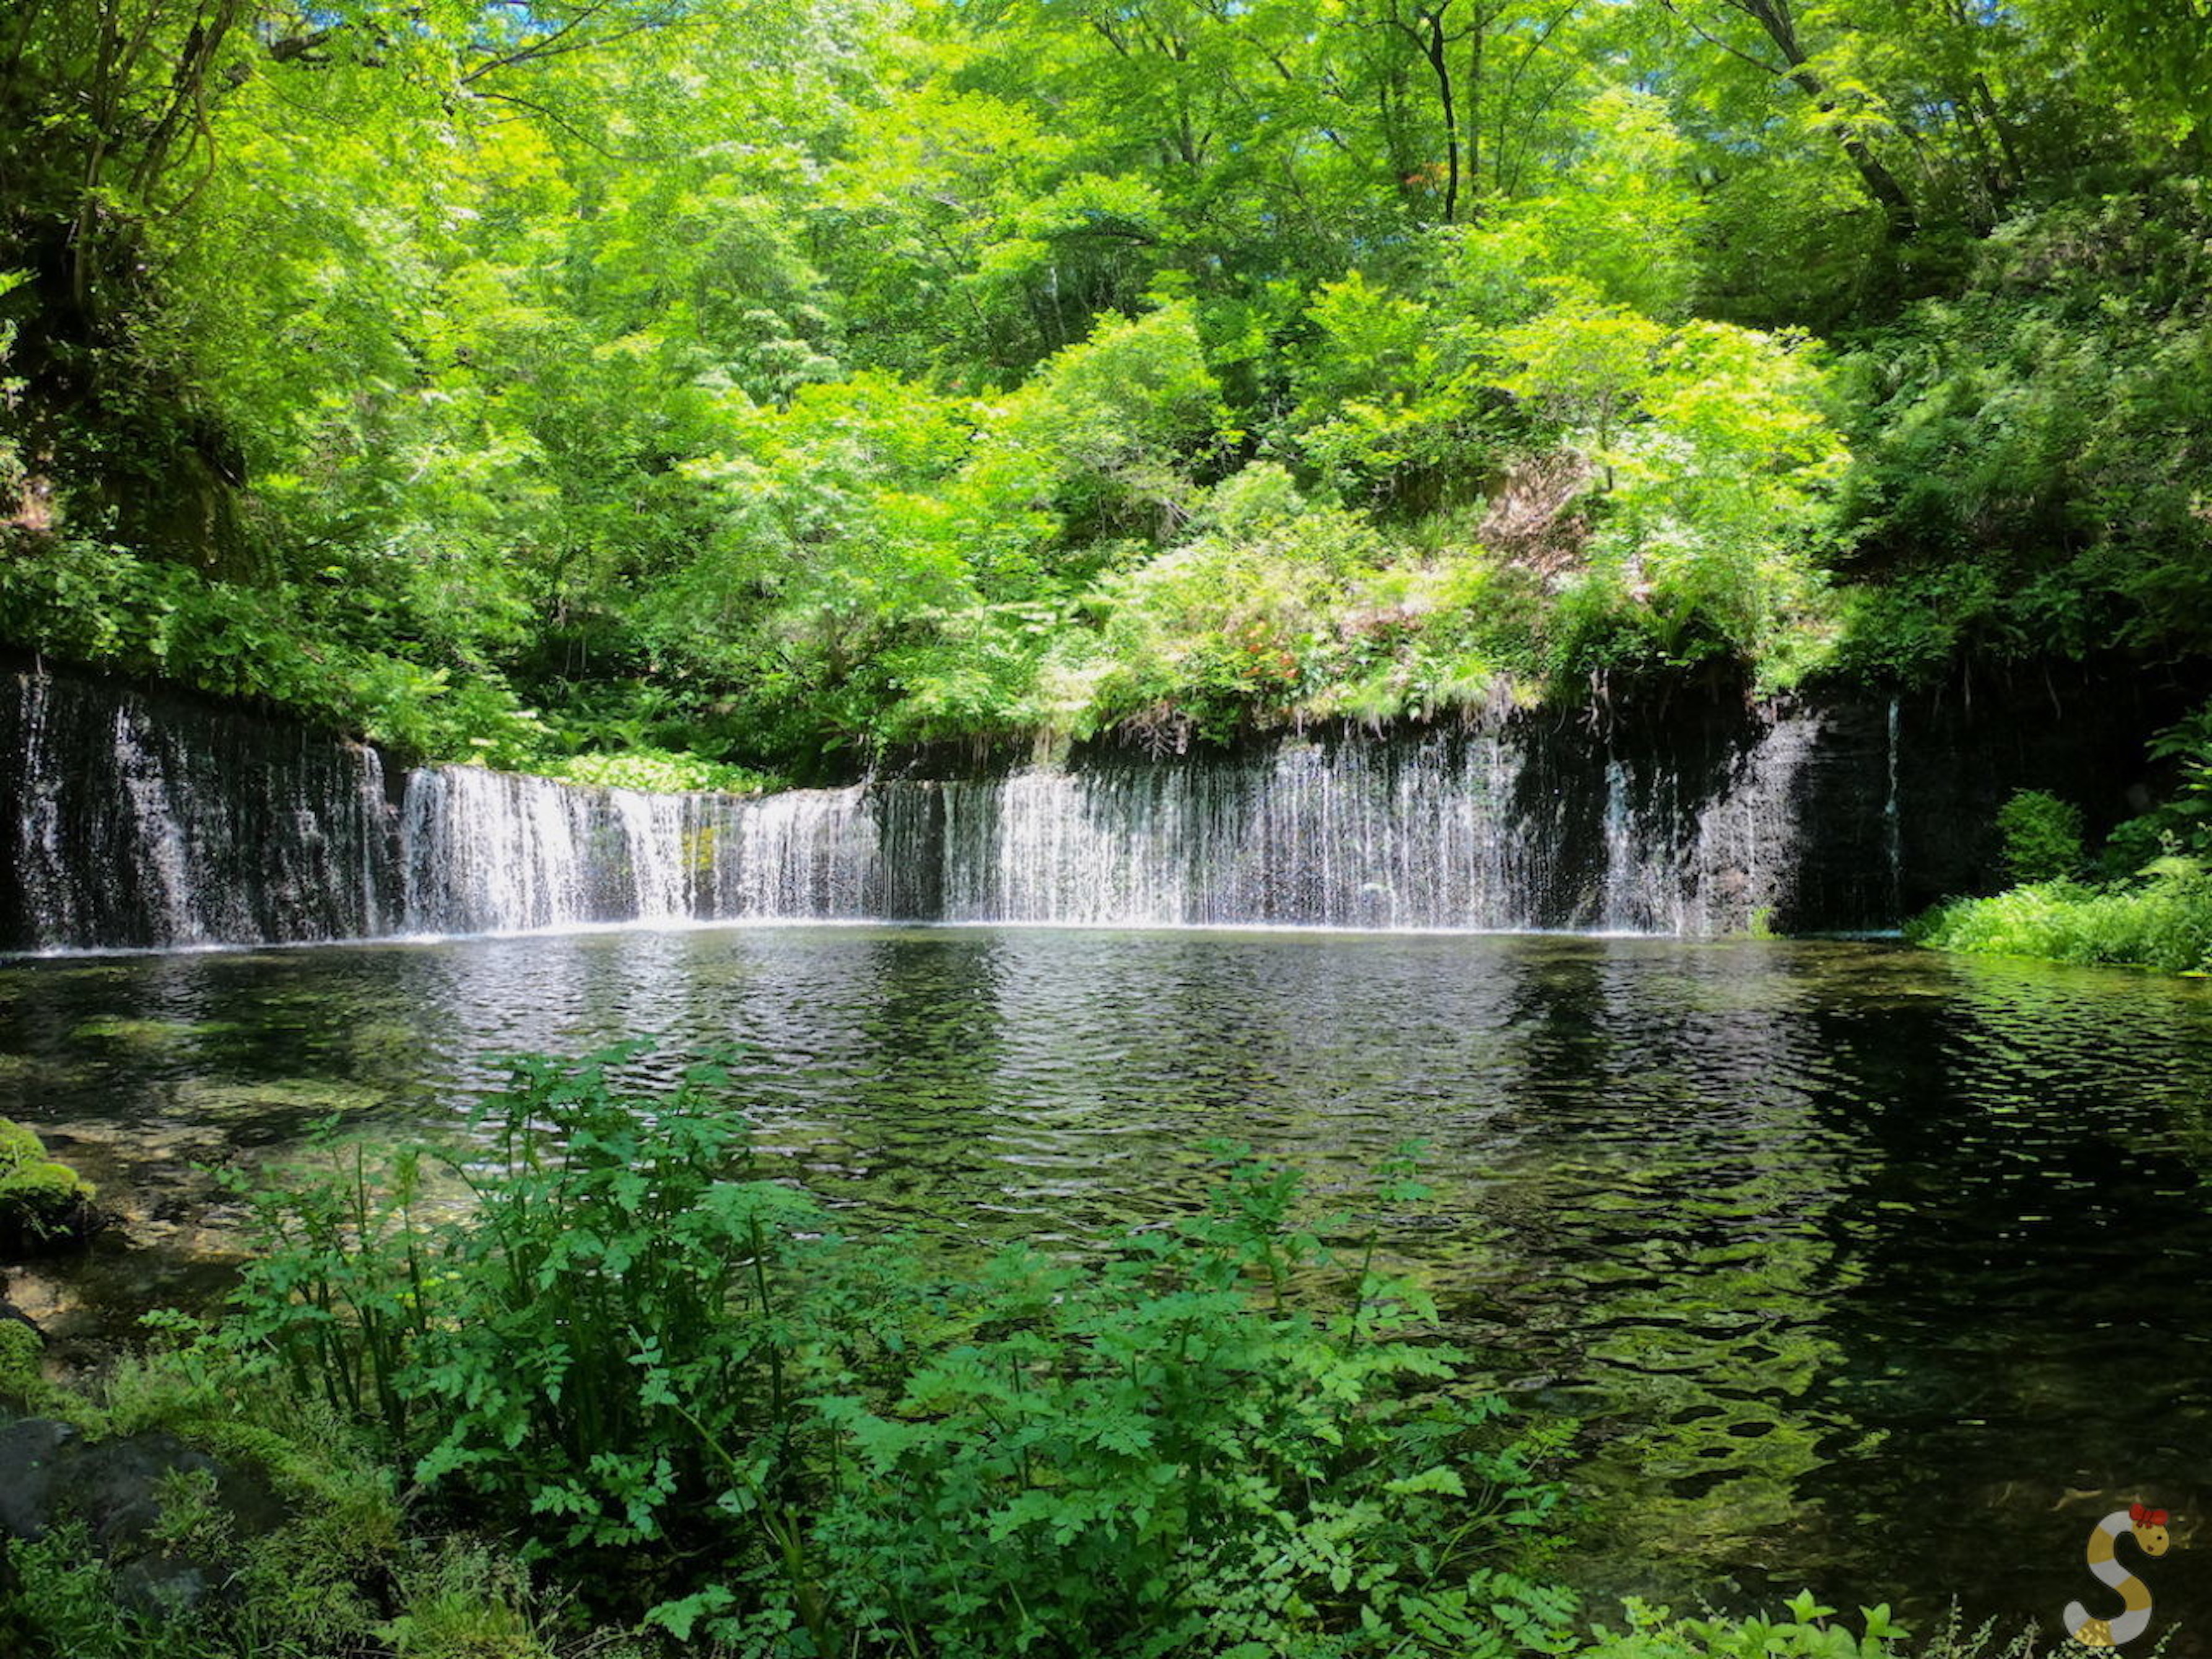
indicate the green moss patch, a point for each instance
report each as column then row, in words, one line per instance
column 229, row 1099
column 43, row 1203
column 148, row 1034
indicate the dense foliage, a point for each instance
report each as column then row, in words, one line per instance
column 762, row 380
column 2164, row 920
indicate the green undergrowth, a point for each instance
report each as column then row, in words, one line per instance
column 313, row 648
column 640, row 1358
column 660, row 769
column 2163, row 920
column 2144, row 900
column 317, row 650
column 641, row 1401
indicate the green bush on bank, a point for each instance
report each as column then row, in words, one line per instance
column 2164, row 920
column 2042, row 836
column 2154, row 907
column 42, row 1202
column 290, row 645
column 662, row 770
column 300, row 648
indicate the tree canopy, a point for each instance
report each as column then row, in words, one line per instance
column 767, row 382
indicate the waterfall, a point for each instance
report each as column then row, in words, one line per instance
column 140, row 821
column 1460, row 831
column 1893, row 840
column 806, row 854
column 497, row 852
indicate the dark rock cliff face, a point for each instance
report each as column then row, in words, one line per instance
column 136, row 819
column 132, row 819
column 1874, row 808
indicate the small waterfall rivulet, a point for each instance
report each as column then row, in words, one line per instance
column 1892, row 844
column 133, row 819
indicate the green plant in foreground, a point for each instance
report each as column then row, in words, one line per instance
column 1802, row 1630
column 648, row 1362
column 1221, row 1436
column 466, row 1601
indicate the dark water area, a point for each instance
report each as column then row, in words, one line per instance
column 1864, row 1269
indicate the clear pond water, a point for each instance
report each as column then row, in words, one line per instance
column 1865, row 1269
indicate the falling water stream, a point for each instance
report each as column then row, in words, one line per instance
column 139, row 825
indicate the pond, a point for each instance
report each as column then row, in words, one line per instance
column 1865, row 1269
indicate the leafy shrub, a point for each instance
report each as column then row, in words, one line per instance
column 1227, row 629
column 2041, row 835
column 2180, row 825
column 2164, row 922
column 644, row 1357
column 1804, row 1632
column 1133, row 1457
column 660, row 769
column 88, row 602
column 2045, row 431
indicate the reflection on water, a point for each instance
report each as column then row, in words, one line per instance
column 1870, row 1270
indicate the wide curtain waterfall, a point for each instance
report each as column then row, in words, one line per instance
column 134, row 820
column 1475, row 830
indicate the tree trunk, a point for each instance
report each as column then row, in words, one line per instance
column 1774, row 17
column 1433, row 48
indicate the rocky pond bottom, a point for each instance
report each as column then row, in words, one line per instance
column 1877, row 1272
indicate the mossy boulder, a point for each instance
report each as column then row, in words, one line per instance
column 162, row 1514
column 42, row 1205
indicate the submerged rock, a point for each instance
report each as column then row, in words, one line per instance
column 44, row 1205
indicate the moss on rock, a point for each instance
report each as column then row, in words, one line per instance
column 43, row 1203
